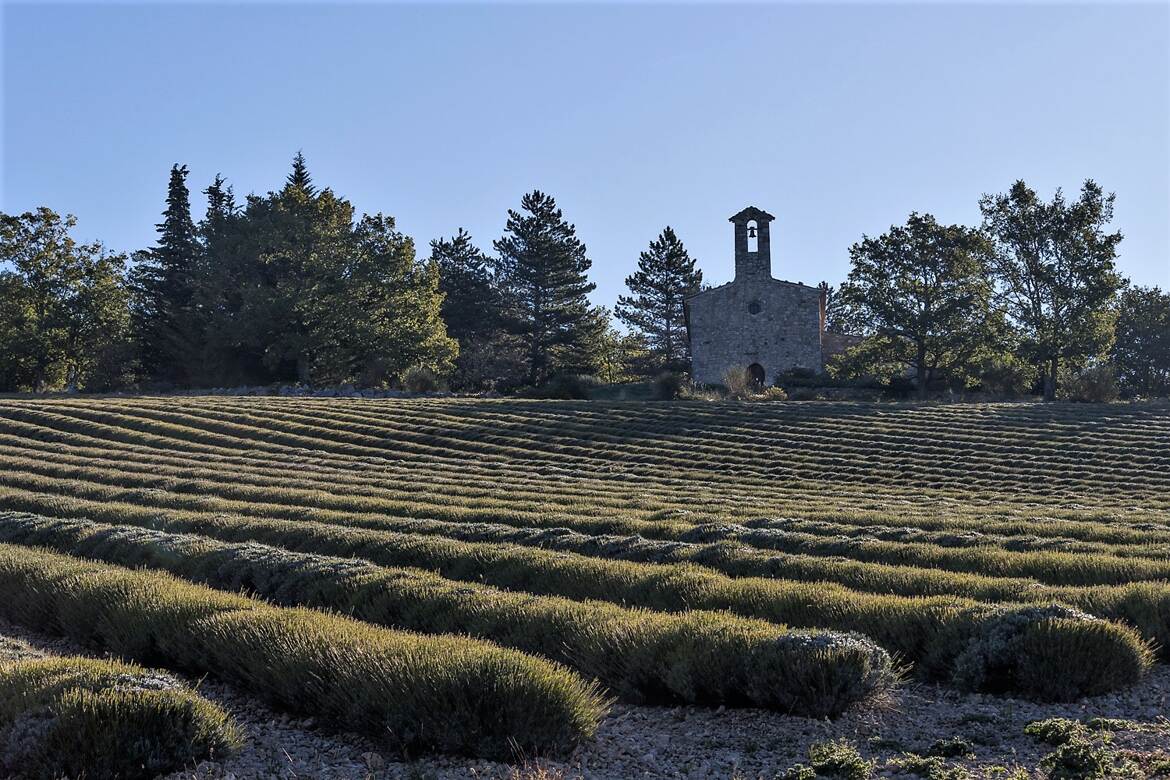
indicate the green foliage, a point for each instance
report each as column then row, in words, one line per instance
column 472, row 309
column 1005, row 376
column 666, row 276
column 1083, row 759
column 1095, row 384
column 1141, row 350
column 1055, row 731
column 542, row 271
column 566, row 387
column 168, row 327
column 1054, row 268
column 930, row 767
column 617, row 357
column 669, row 385
column 1048, row 653
column 420, row 379
column 64, row 311
column 921, row 295
column 1080, row 753
column 293, row 287
column 80, row 717
column 839, row 760
column 409, row 692
column 698, row 658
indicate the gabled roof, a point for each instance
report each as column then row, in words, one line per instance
column 750, row 213
column 770, row 279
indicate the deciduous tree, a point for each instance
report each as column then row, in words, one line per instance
column 1141, row 348
column 920, row 294
column 1053, row 263
column 64, row 315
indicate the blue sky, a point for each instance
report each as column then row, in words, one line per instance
column 838, row 119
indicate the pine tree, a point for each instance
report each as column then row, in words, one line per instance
column 299, row 178
column 666, row 275
column 166, row 323
column 224, row 279
column 471, row 302
column 472, row 309
column 543, row 267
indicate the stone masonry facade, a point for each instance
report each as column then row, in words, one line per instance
column 765, row 325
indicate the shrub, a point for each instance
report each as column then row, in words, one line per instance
column 698, row 657
column 1006, row 376
column 412, row 693
column 773, row 393
column 1052, row 652
column 930, row 767
column 839, row 760
column 739, row 384
column 669, row 385
column 83, row 717
column 931, row 632
column 1055, row 731
column 421, row 379
column 1082, row 759
column 1096, row 384
column 566, row 387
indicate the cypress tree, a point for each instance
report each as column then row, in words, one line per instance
column 666, row 275
column 166, row 322
column 543, row 267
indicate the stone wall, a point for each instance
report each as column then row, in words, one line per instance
column 784, row 333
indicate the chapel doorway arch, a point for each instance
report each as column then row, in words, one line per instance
column 756, row 371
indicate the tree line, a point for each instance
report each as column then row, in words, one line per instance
column 294, row 286
column 1026, row 301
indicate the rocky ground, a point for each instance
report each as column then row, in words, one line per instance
column 693, row 742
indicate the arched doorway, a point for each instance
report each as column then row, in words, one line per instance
column 757, row 373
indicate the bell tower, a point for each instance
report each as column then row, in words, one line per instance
column 753, row 244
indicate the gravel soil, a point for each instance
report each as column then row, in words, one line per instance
column 684, row 742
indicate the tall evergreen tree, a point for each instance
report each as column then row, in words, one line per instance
column 224, row 282
column 471, row 306
column 167, row 326
column 320, row 299
column 543, row 268
column 1055, row 272
column 666, row 275
column 299, row 178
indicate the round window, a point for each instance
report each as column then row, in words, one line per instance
column 754, row 307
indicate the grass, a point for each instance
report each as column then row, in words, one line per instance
column 83, row 717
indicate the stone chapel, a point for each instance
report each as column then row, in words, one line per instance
column 765, row 325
